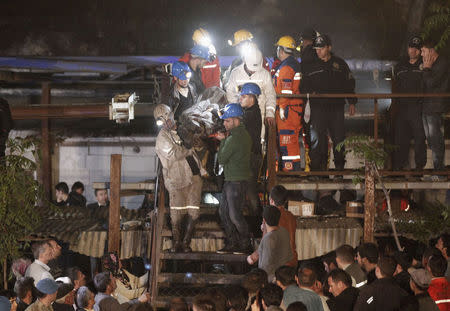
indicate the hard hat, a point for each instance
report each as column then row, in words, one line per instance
column 286, row 42
column 250, row 88
column 201, row 37
column 200, row 51
column 232, row 110
column 181, row 70
column 321, row 41
column 162, row 113
column 253, row 58
column 240, row 36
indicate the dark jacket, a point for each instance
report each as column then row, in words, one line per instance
column 253, row 124
column 345, row 301
column 408, row 78
column 402, row 279
column 356, row 273
column 234, row 154
column 333, row 76
column 308, row 55
column 371, row 277
column 426, row 303
column 178, row 103
column 436, row 80
column 76, row 199
column 382, row 295
column 61, row 307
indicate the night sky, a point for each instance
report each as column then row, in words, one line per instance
column 358, row 28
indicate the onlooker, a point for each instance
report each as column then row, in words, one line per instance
column 307, row 279
column 76, row 197
column 383, row 294
column 419, row 282
column 5, row 304
column 24, row 289
column 237, row 298
column 274, row 250
column 217, row 296
column 46, row 290
column 65, row 298
column 253, row 282
column 401, row 274
column 39, row 269
column 279, row 198
column 345, row 258
column 101, row 195
column 329, row 74
column 285, row 278
column 443, row 244
column 297, row 306
column 430, row 251
column 62, row 194
column 329, row 261
column 271, row 297
column 200, row 303
column 408, row 111
column 344, row 295
column 234, row 155
column 367, row 256
column 436, row 79
column 439, row 289
column 178, row 304
column 105, row 283
column 85, row 299
column 77, row 278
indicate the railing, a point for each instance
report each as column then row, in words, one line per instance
column 272, row 143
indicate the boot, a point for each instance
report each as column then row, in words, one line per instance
column 188, row 235
column 176, row 238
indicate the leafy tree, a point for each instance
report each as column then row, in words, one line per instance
column 19, row 194
column 437, row 23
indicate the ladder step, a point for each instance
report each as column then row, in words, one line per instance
column 198, row 278
column 204, row 256
column 199, row 233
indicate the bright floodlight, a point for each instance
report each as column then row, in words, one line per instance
column 159, row 122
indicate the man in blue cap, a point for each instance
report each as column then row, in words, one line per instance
column 198, row 57
column 234, row 156
column 183, row 95
column 46, row 290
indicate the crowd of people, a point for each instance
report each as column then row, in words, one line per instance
column 367, row 277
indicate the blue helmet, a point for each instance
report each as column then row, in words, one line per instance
column 233, row 110
column 200, row 51
column 250, row 88
column 181, row 70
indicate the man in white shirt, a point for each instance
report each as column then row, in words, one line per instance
column 38, row 270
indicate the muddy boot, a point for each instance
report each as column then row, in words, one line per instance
column 188, row 235
column 176, row 239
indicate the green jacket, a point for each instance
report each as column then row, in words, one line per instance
column 234, row 154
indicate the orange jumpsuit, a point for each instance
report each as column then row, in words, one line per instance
column 286, row 80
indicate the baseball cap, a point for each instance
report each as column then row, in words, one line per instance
column 415, row 42
column 47, row 286
column 421, row 277
column 321, row 41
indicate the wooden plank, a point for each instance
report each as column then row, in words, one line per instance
column 348, row 185
column 199, row 278
column 46, row 144
column 199, row 233
column 351, row 172
column 114, row 207
column 205, row 256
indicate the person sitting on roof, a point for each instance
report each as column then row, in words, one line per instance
column 101, row 195
column 76, row 195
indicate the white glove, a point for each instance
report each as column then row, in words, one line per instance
column 282, row 115
column 307, row 114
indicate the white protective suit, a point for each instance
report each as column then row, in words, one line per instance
column 268, row 98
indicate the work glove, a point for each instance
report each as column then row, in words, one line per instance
column 282, row 114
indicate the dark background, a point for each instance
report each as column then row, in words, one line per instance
column 358, row 28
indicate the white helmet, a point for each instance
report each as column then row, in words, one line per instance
column 253, row 57
column 162, row 113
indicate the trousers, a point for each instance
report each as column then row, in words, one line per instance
column 288, row 132
column 432, row 124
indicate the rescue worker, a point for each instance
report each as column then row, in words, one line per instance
column 211, row 70
column 234, row 156
column 253, row 124
column 182, row 172
column 408, row 78
column 252, row 71
column 198, row 58
column 243, row 42
column 329, row 74
column 289, row 110
column 183, row 95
